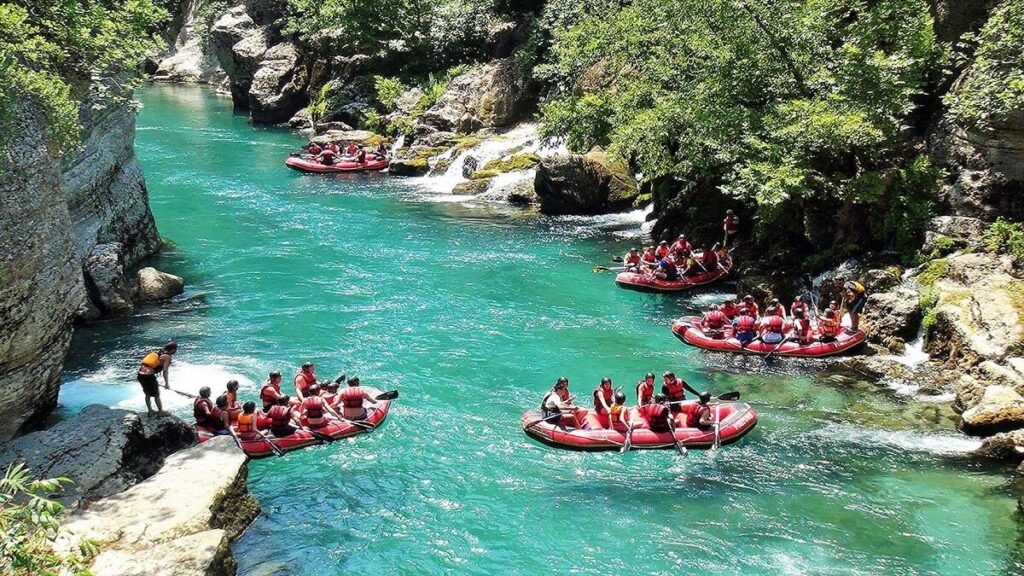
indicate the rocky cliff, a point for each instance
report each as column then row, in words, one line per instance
column 54, row 217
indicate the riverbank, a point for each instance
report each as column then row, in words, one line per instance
column 472, row 310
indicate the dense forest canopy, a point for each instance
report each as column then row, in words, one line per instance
column 51, row 51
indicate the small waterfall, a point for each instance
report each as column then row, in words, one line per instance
column 519, row 140
column 399, row 142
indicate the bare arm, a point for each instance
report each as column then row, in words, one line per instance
column 167, row 369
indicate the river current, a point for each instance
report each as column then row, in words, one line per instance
column 472, row 311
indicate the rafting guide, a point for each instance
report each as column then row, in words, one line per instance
column 153, row 364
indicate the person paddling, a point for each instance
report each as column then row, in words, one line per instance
column 352, row 398
column 157, row 362
column 617, row 412
column 248, row 422
column 304, row 378
column 283, row 419
column 682, row 245
column 775, row 308
column 645, row 390
column 662, row 250
column 271, row 390
column 658, row 415
column 744, row 327
column 802, row 327
column 798, row 305
column 328, row 156
column 316, row 408
column 714, row 321
column 772, row 328
column 675, row 389
column 730, row 309
column 631, row 261
column 650, row 259
column 557, row 403
column 314, row 149
column 751, row 306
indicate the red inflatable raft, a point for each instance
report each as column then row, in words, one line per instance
column 736, row 419
column 307, row 164
column 260, row 448
column 646, row 282
column 689, row 331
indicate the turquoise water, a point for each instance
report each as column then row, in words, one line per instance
column 472, row 311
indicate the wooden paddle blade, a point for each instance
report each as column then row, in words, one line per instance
column 599, row 269
column 389, row 395
column 734, row 395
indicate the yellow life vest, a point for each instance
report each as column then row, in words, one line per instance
column 151, row 360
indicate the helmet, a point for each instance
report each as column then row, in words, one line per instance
column 850, row 285
column 748, row 298
column 649, row 375
column 729, row 212
column 704, row 398
column 307, row 365
column 663, row 243
column 775, row 301
column 275, row 374
column 561, row 380
column 171, row 346
column 606, row 380
column 620, row 398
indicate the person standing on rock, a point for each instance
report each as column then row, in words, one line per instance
column 156, row 362
column 855, row 297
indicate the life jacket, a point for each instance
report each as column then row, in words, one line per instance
column 682, row 246
column 774, row 311
column 246, row 425
column 858, row 288
column 616, row 413
column 710, row 259
column 328, row 153
column 802, row 329
column 746, row 324
column 829, row 326
column 232, row 398
column 661, row 251
column 352, row 397
column 656, row 415
column 314, row 149
column 674, row 390
column 715, row 320
column 202, row 417
column 314, row 407
column 752, row 309
column 151, row 360
column 731, row 224
column 307, row 381
column 774, row 324
column 217, row 418
column 797, row 306
column 608, row 394
column 644, row 393
column 280, row 416
column 269, row 394
column 632, row 259
column 650, row 257
column 730, row 310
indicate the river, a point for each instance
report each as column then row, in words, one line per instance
column 472, row 312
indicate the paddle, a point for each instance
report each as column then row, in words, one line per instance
column 273, row 447
column 680, row 449
column 628, row 443
column 728, row 397
column 318, row 435
column 718, row 423
column 389, row 395
column 185, row 394
column 776, row 349
column 599, row 268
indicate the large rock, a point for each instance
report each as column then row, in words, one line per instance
column 105, row 280
column 947, row 233
column 590, row 184
column 1001, row 409
column 409, row 167
column 278, row 88
column 363, row 138
column 495, row 94
column 1003, row 446
column 179, row 521
column 895, row 314
column 41, row 284
column 102, row 450
column 191, row 57
column 239, row 45
column 156, row 286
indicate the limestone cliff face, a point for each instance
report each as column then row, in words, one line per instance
column 52, row 217
column 40, row 277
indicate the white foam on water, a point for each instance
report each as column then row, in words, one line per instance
column 189, row 378
column 932, row 443
column 524, row 137
column 399, row 142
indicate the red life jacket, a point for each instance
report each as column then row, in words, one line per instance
column 661, row 251
column 752, row 309
column 632, row 259
column 710, row 259
column 650, row 257
column 203, row 417
column 269, row 394
column 644, row 393
column 746, row 324
column 730, row 310
column 280, row 416
column 307, row 381
column 774, row 324
column 674, row 390
column 246, row 425
column 715, row 320
column 656, row 415
column 797, row 306
column 314, row 407
column 682, row 246
column 352, row 397
column 731, row 224
column 608, row 395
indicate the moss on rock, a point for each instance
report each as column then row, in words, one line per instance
column 514, row 162
column 933, row 272
column 472, row 187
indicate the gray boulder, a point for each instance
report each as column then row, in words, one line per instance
column 895, row 314
column 105, row 280
column 278, row 88
column 469, row 165
column 156, row 286
column 590, row 184
column 103, row 450
column 495, row 94
column 239, row 45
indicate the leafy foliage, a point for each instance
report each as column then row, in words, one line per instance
column 995, row 83
column 28, row 525
column 389, row 90
column 772, row 102
column 1005, row 237
column 50, row 52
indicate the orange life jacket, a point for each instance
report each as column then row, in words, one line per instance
column 829, row 326
column 246, row 425
column 616, row 413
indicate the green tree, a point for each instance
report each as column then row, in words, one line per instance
column 57, row 53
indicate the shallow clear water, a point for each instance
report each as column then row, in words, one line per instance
column 472, row 311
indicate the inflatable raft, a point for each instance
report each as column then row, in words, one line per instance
column 645, row 282
column 259, row 447
column 735, row 420
column 307, row 164
column 689, row 331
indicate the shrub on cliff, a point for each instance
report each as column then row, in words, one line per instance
column 773, row 103
column 28, row 525
column 55, row 53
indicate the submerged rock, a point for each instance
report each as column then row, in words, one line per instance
column 409, row 167
column 187, row 513
column 590, row 184
column 103, row 450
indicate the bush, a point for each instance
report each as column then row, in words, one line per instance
column 1005, row 237
column 389, row 90
column 933, row 272
column 28, row 525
